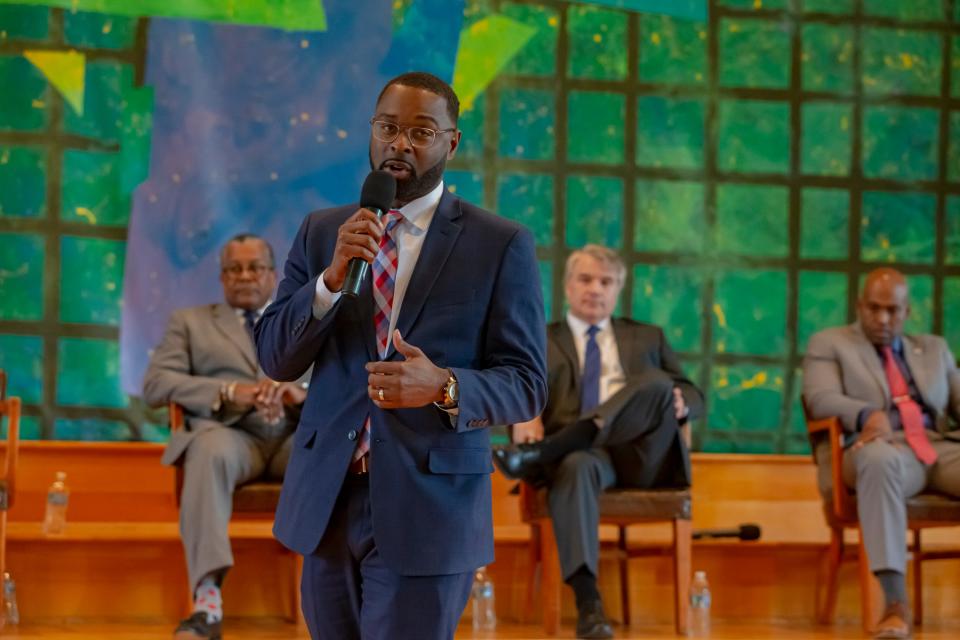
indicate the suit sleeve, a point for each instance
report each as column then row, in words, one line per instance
column 823, row 384
column 169, row 377
column 511, row 385
column 953, row 382
column 671, row 365
column 288, row 335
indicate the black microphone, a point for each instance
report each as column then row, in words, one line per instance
column 745, row 532
column 377, row 194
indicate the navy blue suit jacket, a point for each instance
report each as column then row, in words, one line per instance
column 474, row 305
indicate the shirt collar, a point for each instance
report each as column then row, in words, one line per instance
column 419, row 212
column 579, row 327
column 240, row 312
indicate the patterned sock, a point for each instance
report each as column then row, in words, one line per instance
column 207, row 599
column 894, row 585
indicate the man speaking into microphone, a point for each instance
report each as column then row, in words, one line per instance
column 387, row 492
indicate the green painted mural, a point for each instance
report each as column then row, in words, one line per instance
column 751, row 159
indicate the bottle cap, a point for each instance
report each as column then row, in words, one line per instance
column 699, row 575
column 61, row 475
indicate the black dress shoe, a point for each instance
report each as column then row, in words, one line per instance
column 196, row 626
column 518, row 461
column 592, row 623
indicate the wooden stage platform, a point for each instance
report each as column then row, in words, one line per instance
column 265, row 630
column 120, row 561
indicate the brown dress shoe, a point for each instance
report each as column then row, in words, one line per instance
column 894, row 624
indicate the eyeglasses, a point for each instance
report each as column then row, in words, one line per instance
column 421, row 137
column 236, row 270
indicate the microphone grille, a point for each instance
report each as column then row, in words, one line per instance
column 749, row 532
column 379, row 190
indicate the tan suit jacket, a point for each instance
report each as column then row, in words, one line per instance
column 203, row 348
column 842, row 375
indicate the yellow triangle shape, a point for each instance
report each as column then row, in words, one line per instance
column 65, row 70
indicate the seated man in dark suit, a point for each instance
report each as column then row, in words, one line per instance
column 239, row 422
column 617, row 397
column 895, row 395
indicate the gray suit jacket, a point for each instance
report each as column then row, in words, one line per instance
column 842, row 375
column 202, row 348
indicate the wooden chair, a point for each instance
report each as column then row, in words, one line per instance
column 255, row 500
column 620, row 507
column 924, row 511
column 9, row 409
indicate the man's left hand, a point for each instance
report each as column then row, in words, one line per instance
column 679, row 404
column 414, row 382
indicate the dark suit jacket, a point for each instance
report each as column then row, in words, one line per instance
column 644, row 352
column 474, row 305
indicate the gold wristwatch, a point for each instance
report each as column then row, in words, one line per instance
column 451, row 392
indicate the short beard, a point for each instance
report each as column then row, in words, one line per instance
column 417, row 186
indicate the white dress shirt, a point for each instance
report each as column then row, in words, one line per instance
column 612, row 377
column 409, row 235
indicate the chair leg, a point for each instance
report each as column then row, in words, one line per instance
column 681, row 574
column 870, row 595
column 297, row 598
column 827, row 608
column 3, row 543
column 550, row 579
column 917, row 580
column 533, row 568
column 624, row 561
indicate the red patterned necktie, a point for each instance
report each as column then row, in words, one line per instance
column 384, row 279
column 911, row 416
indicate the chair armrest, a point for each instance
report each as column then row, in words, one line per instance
column 842, row 504
column 176, row 417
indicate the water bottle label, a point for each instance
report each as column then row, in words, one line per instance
column 700, row 601
column 57, row 499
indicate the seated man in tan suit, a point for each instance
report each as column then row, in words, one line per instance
column 239, row 423
column 896, row 396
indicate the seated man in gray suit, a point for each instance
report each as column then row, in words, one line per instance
column 895, row 395
column 617, row 397
column 239, row 423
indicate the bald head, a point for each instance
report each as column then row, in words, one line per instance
column 883, row 305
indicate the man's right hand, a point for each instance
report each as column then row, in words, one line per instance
column 245, row 394
column 531, row 431
column 875, row 427
column 358, row 237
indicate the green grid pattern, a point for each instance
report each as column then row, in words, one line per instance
column 750, row 168
column 63, row 216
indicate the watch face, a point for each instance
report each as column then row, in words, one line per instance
column 454, row 391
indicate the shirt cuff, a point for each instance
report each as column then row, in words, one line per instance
column 323, row 299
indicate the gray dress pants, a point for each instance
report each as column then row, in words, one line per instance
column 885, row 475
column 215, row 463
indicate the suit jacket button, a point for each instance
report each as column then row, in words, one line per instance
column 352, row 434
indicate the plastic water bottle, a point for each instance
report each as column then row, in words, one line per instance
column 10, row 614
column 55, row 520
column 700, row 606
column 484, row 610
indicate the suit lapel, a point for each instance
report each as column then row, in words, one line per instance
column 562, row 335
column 625, row 345
column 362, row 307
column 226, row 321
column 914, row 355
column 868, row 354
column 441, row 236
